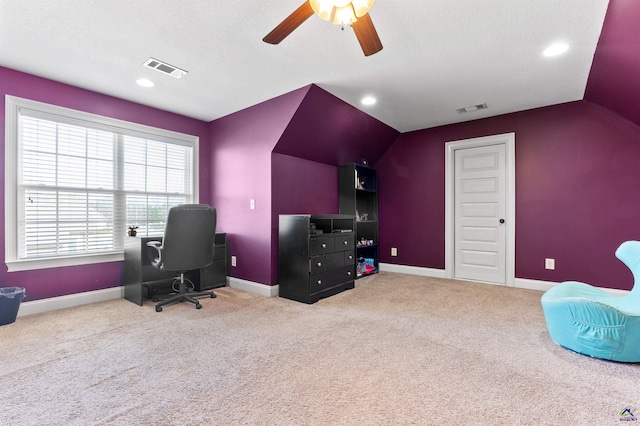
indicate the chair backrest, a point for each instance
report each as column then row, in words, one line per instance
column 189, row 234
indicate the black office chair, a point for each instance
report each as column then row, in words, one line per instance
column 187, row 244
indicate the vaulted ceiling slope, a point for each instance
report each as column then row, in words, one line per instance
column 328, row 130
column 438, row 55
column 613, row 81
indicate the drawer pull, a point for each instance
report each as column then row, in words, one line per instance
column 345, row 242
column 324, row 245
column 319, row 263
column 319, row 282
column 349, row 273
column 350, row 257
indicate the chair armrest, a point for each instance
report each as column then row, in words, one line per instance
column 154, row 251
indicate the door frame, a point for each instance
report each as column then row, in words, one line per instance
column 509, row 140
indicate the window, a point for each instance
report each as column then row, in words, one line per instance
column 76, row 181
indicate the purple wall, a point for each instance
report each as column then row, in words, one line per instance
column 300, row 187
column 576, row 183
column 613, row 80
column 284, row 154
column 241, row 171
column 577, row 192
column 46, row 283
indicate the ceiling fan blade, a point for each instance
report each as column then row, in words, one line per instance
column 367, row 35
column 287, row 26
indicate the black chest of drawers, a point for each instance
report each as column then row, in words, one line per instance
column 316, row 256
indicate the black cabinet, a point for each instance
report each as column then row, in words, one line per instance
column 316, row 256
column 143, row 281
column 358, row 191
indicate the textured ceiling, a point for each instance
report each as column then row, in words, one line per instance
column 439, row 55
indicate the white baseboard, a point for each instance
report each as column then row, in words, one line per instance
column 546, row 285
column 253, row 287
column 533, row 284
column 69, row 301
column 411, row 270
column 519, row 282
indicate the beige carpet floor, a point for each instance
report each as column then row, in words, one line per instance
column 396, row 350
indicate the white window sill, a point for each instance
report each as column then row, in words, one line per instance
column 58, row 262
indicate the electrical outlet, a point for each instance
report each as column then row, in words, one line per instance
column 394, row 251
column 252, row 204
column 550, row 264
column 233, row 261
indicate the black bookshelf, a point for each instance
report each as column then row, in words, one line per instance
column 358, row 189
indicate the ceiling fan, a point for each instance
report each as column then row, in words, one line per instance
column 354, row 13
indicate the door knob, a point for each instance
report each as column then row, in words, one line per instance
column 501, row 220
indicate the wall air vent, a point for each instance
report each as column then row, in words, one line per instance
column 472, row 108
column 165, row 68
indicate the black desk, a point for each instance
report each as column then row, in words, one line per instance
column 143, row 281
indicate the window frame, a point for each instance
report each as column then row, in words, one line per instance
column 13, row 106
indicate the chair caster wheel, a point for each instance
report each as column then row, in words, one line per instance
column 198, row 306
column 213, row 296
column 158, row 308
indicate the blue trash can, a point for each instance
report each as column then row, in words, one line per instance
column 10, row 299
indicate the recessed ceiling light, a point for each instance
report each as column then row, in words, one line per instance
column 556, row 49
column 368, row 100
column 144, row 82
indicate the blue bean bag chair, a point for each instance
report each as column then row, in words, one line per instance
column 589, row 321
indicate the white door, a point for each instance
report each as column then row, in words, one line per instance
column 480, row 201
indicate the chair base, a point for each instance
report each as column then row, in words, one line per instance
column 184, row 296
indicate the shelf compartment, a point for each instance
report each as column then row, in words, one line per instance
column 358, row 196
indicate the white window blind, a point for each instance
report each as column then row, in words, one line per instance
column 79, row 181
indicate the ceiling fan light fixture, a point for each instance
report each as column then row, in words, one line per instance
column 341, row 12
column 322, row 8
column 344, row 16
column 361, row 7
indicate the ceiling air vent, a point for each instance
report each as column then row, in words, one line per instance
column 472, row 108
column 165, row 68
